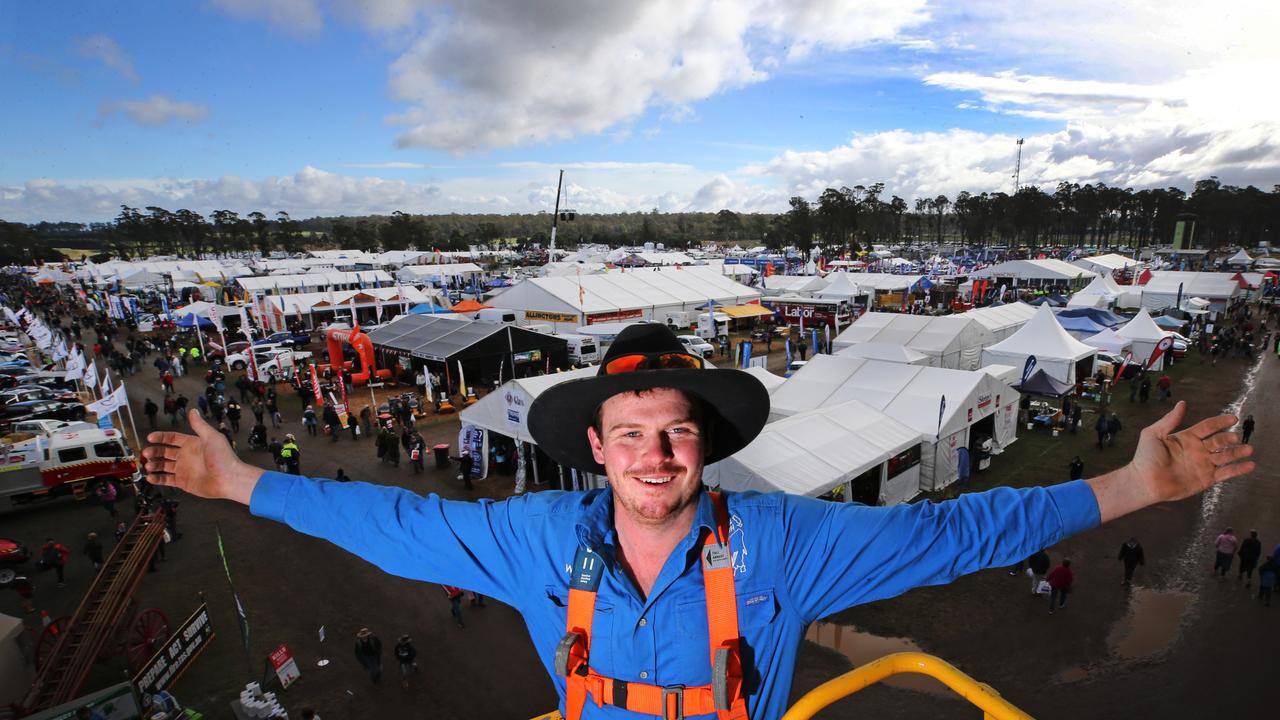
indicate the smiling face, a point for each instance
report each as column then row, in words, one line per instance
column 652, row 447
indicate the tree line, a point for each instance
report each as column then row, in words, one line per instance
column 841, row 219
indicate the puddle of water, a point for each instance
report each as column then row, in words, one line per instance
column 1149, row 628
column 862, row 648
column 1151, row 625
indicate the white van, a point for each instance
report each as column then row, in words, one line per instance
column 709, row 329
column 583, row 349
column 496, row 315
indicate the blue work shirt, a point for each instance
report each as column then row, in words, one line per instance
column 796, row 559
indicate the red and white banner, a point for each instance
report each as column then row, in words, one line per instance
column 1161, row 348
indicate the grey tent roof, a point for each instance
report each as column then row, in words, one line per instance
column 1042, row 384
column 432, row 337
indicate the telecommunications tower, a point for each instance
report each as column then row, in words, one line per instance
column 1017, row 169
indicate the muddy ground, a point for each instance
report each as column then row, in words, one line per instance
column 1197, row 647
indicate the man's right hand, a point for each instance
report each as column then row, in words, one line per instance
column 202, row 464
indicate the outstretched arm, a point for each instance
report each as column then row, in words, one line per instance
column 1171, row 465
column 202, row 464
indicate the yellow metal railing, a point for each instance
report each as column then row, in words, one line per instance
column 979, row 694
column 982, row 695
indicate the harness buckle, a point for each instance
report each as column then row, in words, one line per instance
column 564, row 652
column 678, row 692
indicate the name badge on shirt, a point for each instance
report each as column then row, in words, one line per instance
column 587, row 569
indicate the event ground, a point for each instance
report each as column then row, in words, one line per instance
column 1180, row 645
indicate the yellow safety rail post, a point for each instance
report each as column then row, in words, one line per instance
column 982, row 695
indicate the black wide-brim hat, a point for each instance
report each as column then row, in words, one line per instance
column 735, row 402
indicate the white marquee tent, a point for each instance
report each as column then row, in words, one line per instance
column 803, row 285
column 884, row 351
column 569, row 302
column 949, row 341
column 912, row 395
column 813, row 452
column 840, row 286
column 1145, row 334
column 1106, row 264
column 1061, row 356
column 1002, row 320
column 1162, row 290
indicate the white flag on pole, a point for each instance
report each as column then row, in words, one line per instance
column 91, row 375
column 110, row 402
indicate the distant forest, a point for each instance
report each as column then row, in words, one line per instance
column 840, row 220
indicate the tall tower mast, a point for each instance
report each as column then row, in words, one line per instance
column 555, row 217
column 1018, row 168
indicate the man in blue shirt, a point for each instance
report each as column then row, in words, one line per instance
column 642, row 551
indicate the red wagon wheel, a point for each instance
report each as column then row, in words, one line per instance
column 49, row 639
column 150, row 629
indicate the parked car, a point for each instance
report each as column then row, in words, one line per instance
column 1181, row 343
column 50, row 427
column 47, row 409
column 240, row 360
column 25, row 393
column 697, row 346
column 13, row 552
column 294, row 340
column 217, row 352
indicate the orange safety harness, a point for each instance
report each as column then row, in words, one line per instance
column 670, row 702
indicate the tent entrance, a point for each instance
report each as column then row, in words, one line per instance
column 865, row 488
column 980, row 432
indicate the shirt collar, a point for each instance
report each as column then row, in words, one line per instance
column 595, row 523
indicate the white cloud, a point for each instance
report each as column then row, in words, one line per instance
column 105, row 50
column 601, row 165
column 388, row 165
column 155, row 110
column 295, row 16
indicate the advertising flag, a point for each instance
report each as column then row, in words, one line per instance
column 1161, row 348
column 1028, row 368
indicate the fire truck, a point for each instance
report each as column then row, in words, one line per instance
column 64, row 463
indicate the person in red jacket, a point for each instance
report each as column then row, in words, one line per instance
column 1060, row 580
column 53, row 556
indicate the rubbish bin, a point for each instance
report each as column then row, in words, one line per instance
column 442, row 455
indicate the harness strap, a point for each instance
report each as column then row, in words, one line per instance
column 672, row 702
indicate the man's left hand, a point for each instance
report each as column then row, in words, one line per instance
column 1171, row 465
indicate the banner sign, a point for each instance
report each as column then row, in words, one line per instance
column 182, row 648
column 1028, row 368
column 612, row 316
column 551, row 316
column 285, row 666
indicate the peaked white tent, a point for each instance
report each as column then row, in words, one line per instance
column 1109, row 340
column 977, row 404
column 770, row 381
column 814, row 452
column 839, row 287
column 1145, row 334
column 1061, row 356
column 1101, row 292
column 1240, row 258
column 803, row 285
column 506, row 411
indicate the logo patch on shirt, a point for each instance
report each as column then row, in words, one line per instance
column 756, row 600
column 738, row 541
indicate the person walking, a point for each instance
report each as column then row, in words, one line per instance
column 291, row 455
column 1076, row 468
column 1060, row 580
column 392, row 448
column 1144, row 390
column 1100, row 427
column 465, row 461
column 1113, row 429
column 1165, row 386
column 1037, row 567
column 166, row 381
column 233, row 415
column 342, row 476
column 1246, row 429
column 171, row 409
column 309, row 420
column 407, row 657
column 107, row 494
column 369, row 653
column 1250, row 551
column 93, row 550
column 366, row 420
column 353, row 425
column 802, row 347
column 1267, row 580
column 417, row 453
column 259, row 411
column 150, row 409
column 1131, row 555
column 332, row 423
column 53, row 556
column 455, row 603
column 1226, row 545
column 1075, row 417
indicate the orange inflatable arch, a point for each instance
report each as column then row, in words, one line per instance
column 336, row 337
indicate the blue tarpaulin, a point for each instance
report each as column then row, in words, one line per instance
column 189, row 320
column 428, row 309
column 1080, row 325
column 1102, row 317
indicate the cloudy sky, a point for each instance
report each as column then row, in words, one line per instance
column 329, row 107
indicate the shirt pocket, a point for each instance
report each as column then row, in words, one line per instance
column 602, row 640
column 757, row 611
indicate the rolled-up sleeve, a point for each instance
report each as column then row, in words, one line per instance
column 474, row 545
column 840, row 555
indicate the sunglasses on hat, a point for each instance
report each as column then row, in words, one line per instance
column 652, row 361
